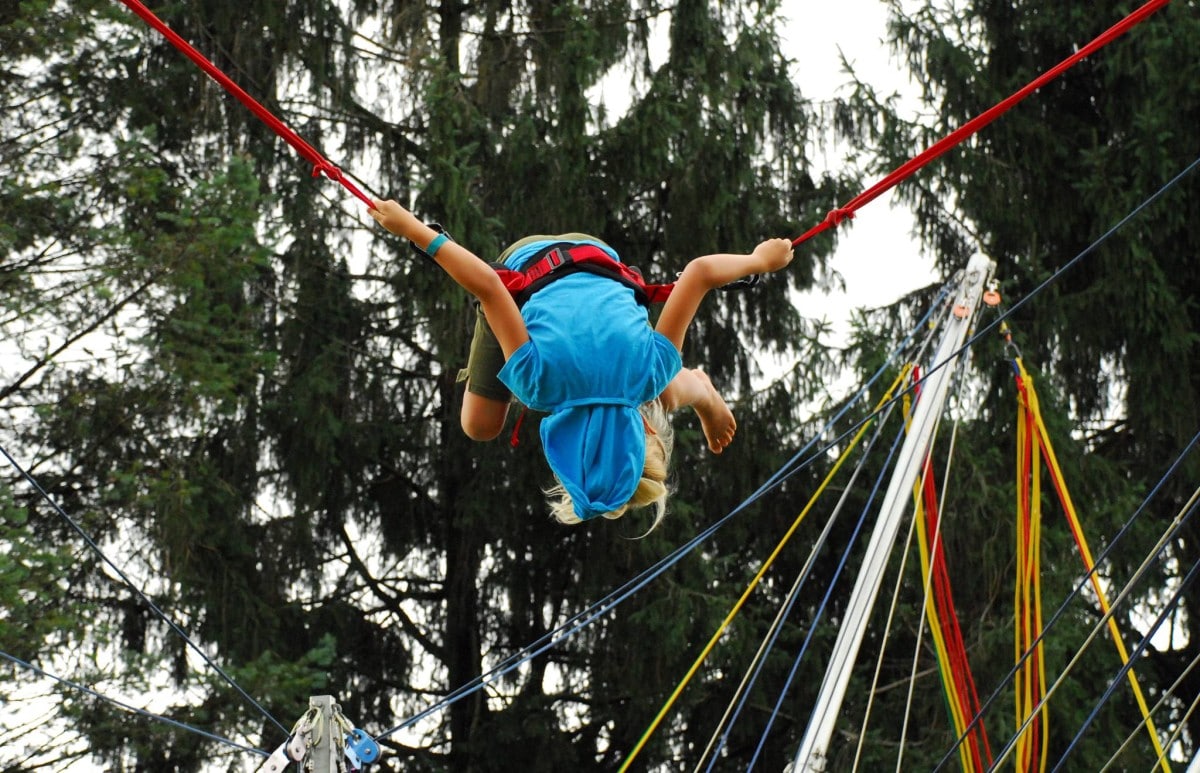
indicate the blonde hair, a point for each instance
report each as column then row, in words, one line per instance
column 651, row 489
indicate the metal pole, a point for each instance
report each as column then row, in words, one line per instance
column 812, row 753
column 323, row 752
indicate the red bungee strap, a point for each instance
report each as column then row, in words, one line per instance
column 836, row 216
column 320, row 164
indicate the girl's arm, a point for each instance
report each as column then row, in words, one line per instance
column 710, row 272
column 464, row 267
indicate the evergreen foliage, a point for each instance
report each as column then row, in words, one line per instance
column 246, row 393
column 1111, row 344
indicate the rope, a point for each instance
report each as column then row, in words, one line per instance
column 887, row 630
column 785, row 471
column 1084, row 580
column 785, row 610
column 770, row 560
column 791, row 467
column 1029, row 395
column 797, row 463
column 1162, row 700
column 129, row 583
column 310, row 154
column 1127, row 668
column 910, row 167
column 885, row 638
column 1184, row 720
column 933, row 329
column 1027, row 598
column 916, row 526
column 586, row 617
column 1141, row 572
column 322, row 166
column 958, row 684
column 129, row 708
column 1002, row 318
column 742, row 694
column 896, row 442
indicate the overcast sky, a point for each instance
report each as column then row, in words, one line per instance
column 875, row 254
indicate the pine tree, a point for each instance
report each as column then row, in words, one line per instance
column 246, row 393
column 1111, row 341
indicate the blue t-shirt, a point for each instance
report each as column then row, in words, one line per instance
column 590, row 342
column 590, row 361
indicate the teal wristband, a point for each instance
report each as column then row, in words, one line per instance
column 436, row 244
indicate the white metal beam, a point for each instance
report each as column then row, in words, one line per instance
column 814, row 748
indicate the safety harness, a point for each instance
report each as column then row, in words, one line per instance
column 559, row 259
column 555, row 261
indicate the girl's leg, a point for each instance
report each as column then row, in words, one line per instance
column 485, row 399
column 693, row 388
column 482, row 417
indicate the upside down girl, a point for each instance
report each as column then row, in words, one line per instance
column 581, row 349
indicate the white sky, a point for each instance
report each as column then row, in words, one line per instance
column 876, row 255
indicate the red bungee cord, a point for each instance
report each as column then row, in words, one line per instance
column 320, row 164
column 836, row 216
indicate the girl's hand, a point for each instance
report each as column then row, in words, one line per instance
column 395, row 218
column 773, row 254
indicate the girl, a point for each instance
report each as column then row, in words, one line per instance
column 582, row 350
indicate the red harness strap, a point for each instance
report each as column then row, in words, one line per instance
column 559, row 260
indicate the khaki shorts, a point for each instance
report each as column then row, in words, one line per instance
column 484, row 363
column 486, row 358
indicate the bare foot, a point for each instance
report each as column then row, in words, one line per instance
column 715, row 417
